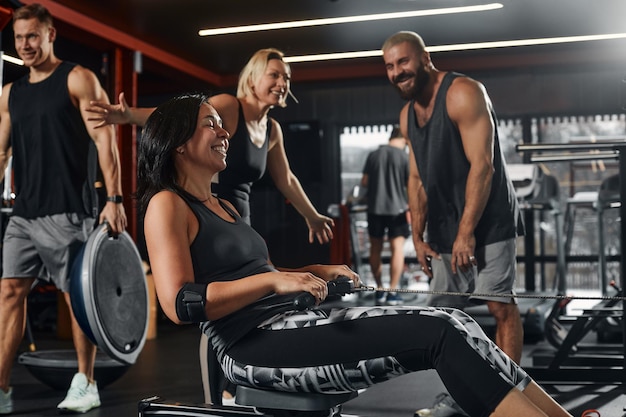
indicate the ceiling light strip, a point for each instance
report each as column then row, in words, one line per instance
column 525, row 42
column 460, row 47
column 12, row 59
column 348, row 19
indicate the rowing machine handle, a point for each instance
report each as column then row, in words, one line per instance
column 342, row 285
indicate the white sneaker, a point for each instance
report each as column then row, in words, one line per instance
column 6, row 403
column 228, row 401
column 81, row 397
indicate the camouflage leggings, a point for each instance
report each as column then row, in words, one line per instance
column 347, row 349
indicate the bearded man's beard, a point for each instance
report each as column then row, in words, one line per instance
column 420, row 80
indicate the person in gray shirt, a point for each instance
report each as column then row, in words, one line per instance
column 385, row 176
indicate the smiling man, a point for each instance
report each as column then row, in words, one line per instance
column 458, row 189
column 44, row 124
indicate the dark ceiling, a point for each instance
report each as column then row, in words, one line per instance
column 171, row 27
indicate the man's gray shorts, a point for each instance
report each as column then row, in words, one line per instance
column 495, row 274
column 44, row 247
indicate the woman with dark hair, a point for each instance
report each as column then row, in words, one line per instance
column 257, row 139
column 210, row 267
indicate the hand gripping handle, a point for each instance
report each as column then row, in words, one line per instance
column 342, row 285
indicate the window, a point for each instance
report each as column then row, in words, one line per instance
column 356, row 143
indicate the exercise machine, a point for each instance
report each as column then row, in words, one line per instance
column 255, row 401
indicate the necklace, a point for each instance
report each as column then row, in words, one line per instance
column 199, row 200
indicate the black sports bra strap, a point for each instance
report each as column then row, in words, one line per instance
column 228, row 209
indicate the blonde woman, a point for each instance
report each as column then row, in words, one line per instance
column 256, row 141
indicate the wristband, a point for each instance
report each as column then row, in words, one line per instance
column 117, row 199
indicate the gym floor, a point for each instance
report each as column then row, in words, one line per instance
column 168, row 367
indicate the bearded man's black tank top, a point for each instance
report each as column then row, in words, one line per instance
column 443, row 169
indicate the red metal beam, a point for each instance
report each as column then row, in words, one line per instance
column 125, row 80
column 90, row 25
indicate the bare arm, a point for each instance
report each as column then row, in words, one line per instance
column 417, row 201
column 104, row 113
column 170, row 227
column 326, row 272
column 319, row 226
column 227, row 107
column 84, row 87
column 469, row 108
column 418, row 205
column 5, row 129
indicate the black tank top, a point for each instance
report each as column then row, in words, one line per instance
column 245, row 164
column 225, row 251
column 443, row 169
column 50, row 146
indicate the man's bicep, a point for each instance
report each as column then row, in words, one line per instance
column 469, row 109
column 85, row 87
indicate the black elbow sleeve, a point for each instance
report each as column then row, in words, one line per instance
column 191, row 303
